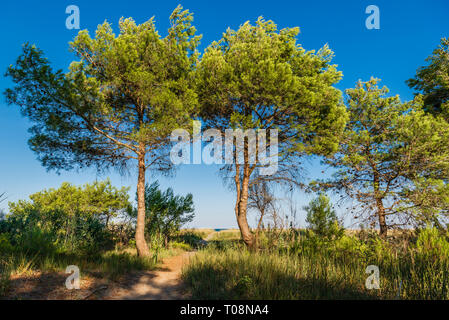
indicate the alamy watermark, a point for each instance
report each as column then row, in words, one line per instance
column 373, row 281
column 72, row 281
column 373, row 20
column 217, row 151
column 73, row 20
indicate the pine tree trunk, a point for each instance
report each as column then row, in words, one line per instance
column 380, row 206
column 241, row 207
column 141, row 244
column 382, row 220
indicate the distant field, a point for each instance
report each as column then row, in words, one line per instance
column 230, row 234
column 203, row 233
column 234, row 234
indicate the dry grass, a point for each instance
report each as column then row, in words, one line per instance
column 232, row 234
column 43, row 276
column 202, row 233
column 415, row 268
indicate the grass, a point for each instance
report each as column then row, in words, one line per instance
column 240, row 274
column 5, row 272
column 108, row 265
column 293, row 265
column 111, row 264
column 307, row 270
column 226, row 235
column 201, row 233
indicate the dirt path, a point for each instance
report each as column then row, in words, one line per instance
column 163, row 283
column 210, row 236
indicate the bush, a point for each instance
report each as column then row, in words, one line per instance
column 36, row 240
column 5, row 244
column 191, row 238
column 68, row 219
column 432, row 243
column 181, row 245
column 322, row 219
column 92, row 236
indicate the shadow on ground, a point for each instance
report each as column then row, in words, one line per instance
column 212, row 282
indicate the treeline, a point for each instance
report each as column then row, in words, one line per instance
column 119, row 102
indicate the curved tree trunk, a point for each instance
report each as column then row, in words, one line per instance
column 141, row 244
column 241, row 206
column 247, row 236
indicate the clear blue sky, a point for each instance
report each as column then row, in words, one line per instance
column 409, row 31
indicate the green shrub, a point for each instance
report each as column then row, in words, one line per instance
column 5, row 244
column 322, row 219
column 193, row 239
column 181, row 245
column 92, row 236
column 36, row 240
column 431, row 242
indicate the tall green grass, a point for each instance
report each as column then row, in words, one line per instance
column 310, row 269
column 237, row 274
column 110, row 264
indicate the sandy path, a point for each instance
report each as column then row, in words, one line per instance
column 163, row 283
column 210, row 236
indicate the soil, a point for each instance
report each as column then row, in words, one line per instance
column 161, row 284
column 164, row 283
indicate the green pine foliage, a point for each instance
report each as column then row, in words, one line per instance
column 322, row 219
